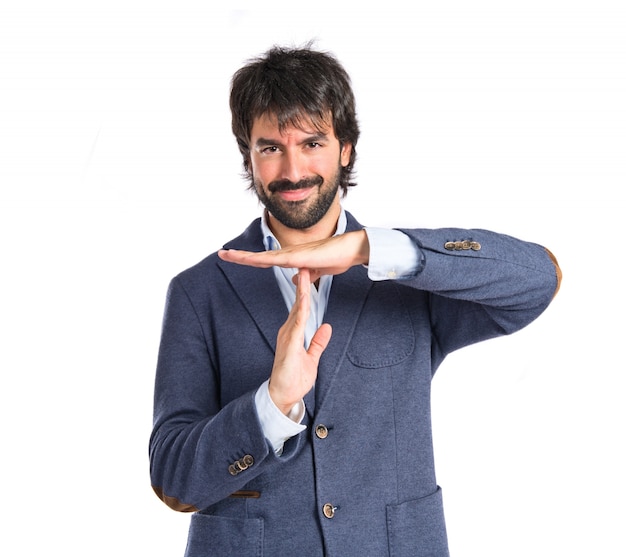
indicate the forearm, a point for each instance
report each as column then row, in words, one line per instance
column 513, row 280
column 196, row 435
column 190, row 463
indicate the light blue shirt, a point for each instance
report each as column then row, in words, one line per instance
column 393, row 255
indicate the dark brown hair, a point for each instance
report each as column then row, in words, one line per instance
column 296, row 86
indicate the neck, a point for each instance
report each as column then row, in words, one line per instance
column 323, row 229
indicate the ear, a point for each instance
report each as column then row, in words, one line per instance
column 346, row 151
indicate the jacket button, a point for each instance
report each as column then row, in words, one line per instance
column 321, row 431
column 329, row 510
column 462, row 245
column 240, row 465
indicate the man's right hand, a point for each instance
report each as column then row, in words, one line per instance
column 295, row 368
column 331, row 256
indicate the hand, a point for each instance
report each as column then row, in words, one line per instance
column 295, row 368
column 331, row 256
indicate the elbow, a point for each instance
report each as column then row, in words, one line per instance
column 173, row 502
column 557, row 270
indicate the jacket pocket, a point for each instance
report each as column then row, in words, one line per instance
column 219, row 536
column 417, row 528
column 384, row 334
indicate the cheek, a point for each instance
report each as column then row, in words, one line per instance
column 260, row 171
column 324, row 166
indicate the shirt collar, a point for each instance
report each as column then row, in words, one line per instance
column 270, row 241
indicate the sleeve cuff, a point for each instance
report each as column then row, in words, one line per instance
column 393, row 255
column 277, row 427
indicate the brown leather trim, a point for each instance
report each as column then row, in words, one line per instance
column 245, row 494
column 559, row 273
column 174, row 503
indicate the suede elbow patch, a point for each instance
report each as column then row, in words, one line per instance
column 174, row 503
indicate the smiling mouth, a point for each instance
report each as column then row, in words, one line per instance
column 295, row 195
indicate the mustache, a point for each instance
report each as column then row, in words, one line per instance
column 288, row 185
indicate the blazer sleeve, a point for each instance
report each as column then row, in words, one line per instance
column 482, row 284
column 200, row 452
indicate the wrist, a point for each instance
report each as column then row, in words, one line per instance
column 285, row 407
column 363, row 248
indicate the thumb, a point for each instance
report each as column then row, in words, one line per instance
column 320, row 341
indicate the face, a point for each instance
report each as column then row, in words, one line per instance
column 296, row 172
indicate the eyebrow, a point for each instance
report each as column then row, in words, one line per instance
column 266, row 142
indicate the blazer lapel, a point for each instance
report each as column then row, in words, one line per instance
column 256, row 288
column 259, row 293
column 347, row 296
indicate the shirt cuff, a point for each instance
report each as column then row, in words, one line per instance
column 277, row 427
column 393, row 255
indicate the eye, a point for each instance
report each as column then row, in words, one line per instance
column 314, row 145
column 269, row 150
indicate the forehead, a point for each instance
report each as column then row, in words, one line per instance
column 268, row 126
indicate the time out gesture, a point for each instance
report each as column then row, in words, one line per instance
column 330, row 256
column 295, row 367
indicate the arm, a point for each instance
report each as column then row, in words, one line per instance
column 475, row 274
column 196, row 441
column 337, row 254
column 482, row 284
column 331, row 256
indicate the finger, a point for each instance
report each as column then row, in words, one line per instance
column 314, row 275
column 294, row 257
column 301, row 308
column 303, row 286
column 262, row 259
column 320, row 341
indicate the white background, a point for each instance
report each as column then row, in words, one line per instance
column 118, row 170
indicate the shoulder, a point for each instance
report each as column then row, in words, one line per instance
column 205, row 271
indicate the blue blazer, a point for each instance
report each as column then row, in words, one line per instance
column 360, row 481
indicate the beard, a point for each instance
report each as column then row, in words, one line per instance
column 303, row 214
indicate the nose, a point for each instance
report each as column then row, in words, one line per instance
column 292, row 166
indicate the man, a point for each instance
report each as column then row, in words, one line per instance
column 292, row 398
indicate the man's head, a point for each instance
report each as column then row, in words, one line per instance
column 297, row 88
